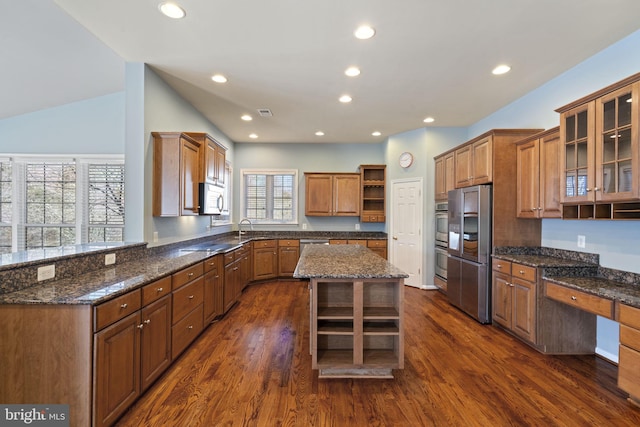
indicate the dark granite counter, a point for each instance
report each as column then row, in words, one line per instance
column 577, row 270
column 82, row 277
column 344, row 262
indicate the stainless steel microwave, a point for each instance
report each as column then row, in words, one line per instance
column 211, row 199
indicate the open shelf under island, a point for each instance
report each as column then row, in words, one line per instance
column 356, row 311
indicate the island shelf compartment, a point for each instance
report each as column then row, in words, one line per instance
column 356, row 327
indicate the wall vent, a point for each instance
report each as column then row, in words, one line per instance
column 265, row 112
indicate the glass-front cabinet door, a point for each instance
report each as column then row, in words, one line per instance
column 617, row 145
column 577, row 157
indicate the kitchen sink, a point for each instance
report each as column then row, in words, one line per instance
column 210, row 247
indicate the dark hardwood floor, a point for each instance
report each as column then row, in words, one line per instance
column 253, row 368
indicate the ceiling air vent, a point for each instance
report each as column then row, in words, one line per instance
column 265, row 112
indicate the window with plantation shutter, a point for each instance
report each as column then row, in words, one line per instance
column 50, row 201
column 270, row 196
column 5, row 206
column 106, row 203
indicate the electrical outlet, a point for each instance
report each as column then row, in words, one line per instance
column 155, row 236
column 46, row 272
column 581, row 241
column 357, row 226
column 109, row 259
column 304, row 225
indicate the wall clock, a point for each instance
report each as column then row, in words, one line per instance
column 406, row 159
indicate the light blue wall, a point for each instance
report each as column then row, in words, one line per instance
column 424, row 144
column 166, row 111
column 616, row 242
column 93, row 126
column 308, row 158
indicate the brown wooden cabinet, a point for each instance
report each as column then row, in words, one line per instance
column 288, row 255
column 265, row 259
column 444, row 175
column 212, row 159
column 187, row 307
column 117, row 369
column 213, row 304
column 329, row 194
column 237, row 273
column 474, row 162
column 373, row 178
column 629, row 354
column 155, row 351
column 538, row 179
column 176, row 171
column 600, row 140
column 514, row 298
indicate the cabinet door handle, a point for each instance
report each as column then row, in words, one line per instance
column 159, row 290
column 190, row 327
column 190, row 274
column 499, row 266
column 596, row 189
column 574, row 298
column 190, row 297
column 140, row 326
column 123, row 306
column 146, row 322
column 521, row 272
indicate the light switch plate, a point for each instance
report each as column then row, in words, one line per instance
column 581, row 241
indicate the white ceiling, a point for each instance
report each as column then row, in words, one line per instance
column 428, row 58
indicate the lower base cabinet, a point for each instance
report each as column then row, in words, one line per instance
column 629, row 357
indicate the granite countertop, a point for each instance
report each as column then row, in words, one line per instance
column 104, row 284
column 577, row 270
column 344, row 262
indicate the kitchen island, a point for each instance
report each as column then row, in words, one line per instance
column 356, row 311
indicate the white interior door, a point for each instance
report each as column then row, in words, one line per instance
column 406, row 229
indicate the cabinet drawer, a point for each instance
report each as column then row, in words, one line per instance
column 524, row 272
column 288, row 243
column 358, row 242
column 502, row 266
column 629, row 371
column 183, row 277
column 156, row 290
column 185, row 331
column 229, row 257
column 264, row 244
column 116, row 309
column 187, row 298
column 630, row 316
column 591, row 303
column 377, row 243
column 372, row 218
column 630, row 337
column 211, row 264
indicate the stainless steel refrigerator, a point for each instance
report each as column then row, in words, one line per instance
column 469, row 251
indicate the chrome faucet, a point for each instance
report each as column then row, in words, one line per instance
column 243, row 221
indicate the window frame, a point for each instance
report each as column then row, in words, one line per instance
column 270, row 172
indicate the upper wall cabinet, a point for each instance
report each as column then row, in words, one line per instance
column 212, row 159
column 538, row 179
column 600, row 142
column 474, row 162
column 445, row 175
column 372, row 178
column 330, row 194
column 176, row 167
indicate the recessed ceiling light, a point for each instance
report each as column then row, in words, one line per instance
column 319, row 133
column 253, row 136
column 246, row 117
column 501, row 69
column 429, row 120
column 345, row 99
column 172, row 10
column 219, row 78
column 364, row 32
column 352, row 71
column 376, row 133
